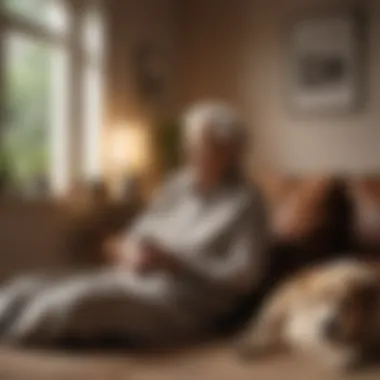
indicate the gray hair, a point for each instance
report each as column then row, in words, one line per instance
column 218, row 119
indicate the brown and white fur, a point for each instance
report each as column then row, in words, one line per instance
column 331, row 312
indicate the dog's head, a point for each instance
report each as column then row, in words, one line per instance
column 341, row 303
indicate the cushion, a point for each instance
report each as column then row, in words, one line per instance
column 365, row 197
column 300, row 211
column 306, row 220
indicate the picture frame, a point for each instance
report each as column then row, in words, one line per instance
column 326, row 64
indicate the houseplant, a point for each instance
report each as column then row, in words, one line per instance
column 168, row 145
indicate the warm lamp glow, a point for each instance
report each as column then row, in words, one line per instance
column 127, row 148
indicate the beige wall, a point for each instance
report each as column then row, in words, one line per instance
column 132, row 23
column 235, row 49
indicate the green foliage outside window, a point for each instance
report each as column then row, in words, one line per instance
column 24, row 154
column 26, row 129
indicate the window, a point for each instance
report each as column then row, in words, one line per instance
column 34, row 97
column 49, row 14
column 41, row 61
column 93, row 43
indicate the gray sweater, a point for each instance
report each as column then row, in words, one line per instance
column 221, row 237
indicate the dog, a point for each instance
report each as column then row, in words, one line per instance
column 331, row 312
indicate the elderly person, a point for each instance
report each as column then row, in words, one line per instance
column 191, row 258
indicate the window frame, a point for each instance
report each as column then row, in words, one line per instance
column 79, row 58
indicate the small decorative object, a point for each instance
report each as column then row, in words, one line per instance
column 325, row 63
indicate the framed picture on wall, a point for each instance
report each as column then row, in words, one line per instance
column 326, row 64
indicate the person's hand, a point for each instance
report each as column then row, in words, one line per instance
column 143, row 257
column 120, row 254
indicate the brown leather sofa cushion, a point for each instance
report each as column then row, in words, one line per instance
column 300, row 211
column 303, row 217
column 365, row 198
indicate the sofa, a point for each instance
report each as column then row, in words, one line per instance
column 312, row 220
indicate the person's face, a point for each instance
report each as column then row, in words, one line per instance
column 209, row 158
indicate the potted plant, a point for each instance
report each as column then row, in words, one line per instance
column 168, row 143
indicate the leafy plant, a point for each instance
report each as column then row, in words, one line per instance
column 169, row 144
